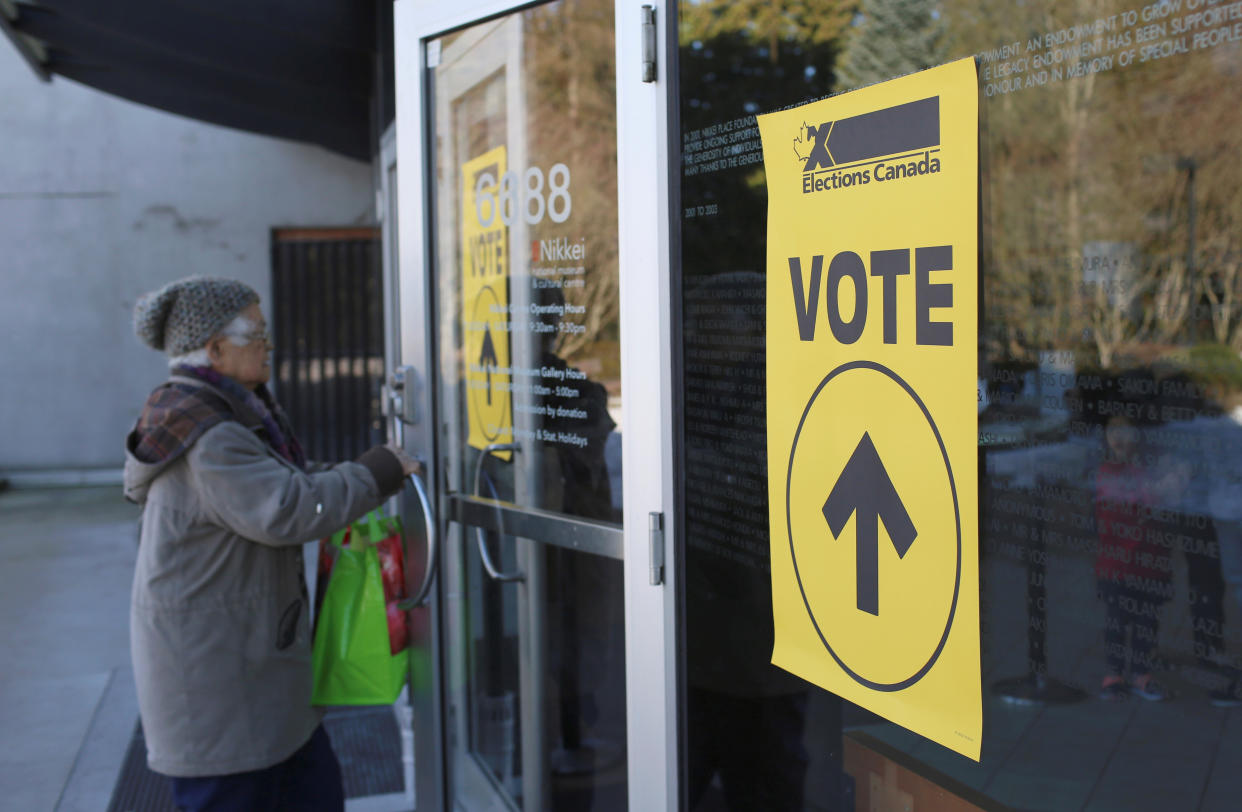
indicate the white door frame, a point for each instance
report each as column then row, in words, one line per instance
column 646, row 370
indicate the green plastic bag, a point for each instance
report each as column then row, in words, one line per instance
column 351, row 655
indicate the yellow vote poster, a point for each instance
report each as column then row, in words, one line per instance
column 872, row 330
column 485, row 302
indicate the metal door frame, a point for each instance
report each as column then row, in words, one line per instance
column 643, row 121
column 386, row 185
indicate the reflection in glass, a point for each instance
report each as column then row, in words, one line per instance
column 1110, row 387
column 525, row 246
column 756, row 737
column 495, row 726
column 527, row 252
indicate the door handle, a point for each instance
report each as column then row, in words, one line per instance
column 433, row 548
column 492, row 570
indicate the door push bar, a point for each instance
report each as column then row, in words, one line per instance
column 433, row 548
column 484, row 553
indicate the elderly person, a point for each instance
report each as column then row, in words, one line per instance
column 219, row 625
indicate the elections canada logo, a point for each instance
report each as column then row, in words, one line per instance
column 881, row 146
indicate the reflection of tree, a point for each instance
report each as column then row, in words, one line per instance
column 1102, row 158
column 1173, row 147
column 1222, row 287
column 729, row 72
column 1218, row 258
column 1110, row 304
column 1173, row 297
column 751, row 56
column 1178, row 166
column 768, row 27
column 892, row 38
column 573, row 110
column 1037, row 144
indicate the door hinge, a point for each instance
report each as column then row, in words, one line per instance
column 649, row 44
column 655, row 532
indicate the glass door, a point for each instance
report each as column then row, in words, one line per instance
column 533, row 246
column 530, row 408
column 511, row 269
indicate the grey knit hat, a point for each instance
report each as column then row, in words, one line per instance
column 182, row 316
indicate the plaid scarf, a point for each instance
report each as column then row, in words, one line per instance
column 262, row 405
column 174, row 417
column 178, row 413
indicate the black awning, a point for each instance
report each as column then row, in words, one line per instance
column 297, row 69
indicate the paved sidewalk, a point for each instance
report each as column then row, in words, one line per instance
column 67, row 702
column 66, row 562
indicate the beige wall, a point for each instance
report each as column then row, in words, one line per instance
column 100, row 201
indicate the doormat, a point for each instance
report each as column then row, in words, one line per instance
column 137, row 788
column 368, row 745
column 366, row 740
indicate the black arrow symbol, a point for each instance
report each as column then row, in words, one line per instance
column 488, row 359
column 865, row 487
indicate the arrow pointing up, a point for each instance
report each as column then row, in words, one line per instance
column 865, row 488
column 488, row 359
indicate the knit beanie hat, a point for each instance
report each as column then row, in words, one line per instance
column 182, row 316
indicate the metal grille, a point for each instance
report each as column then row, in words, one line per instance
column 367, row 742
column 328, row 327
column 137, row 788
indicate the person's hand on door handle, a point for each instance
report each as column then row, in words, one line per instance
column 409, row 465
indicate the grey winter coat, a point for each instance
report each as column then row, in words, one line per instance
column 219, row 626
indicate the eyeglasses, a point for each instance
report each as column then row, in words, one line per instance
column 250, row 338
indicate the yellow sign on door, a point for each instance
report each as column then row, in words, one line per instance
column 486, row 319
column 872, row 331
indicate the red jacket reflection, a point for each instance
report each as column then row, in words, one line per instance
column 1130, row 552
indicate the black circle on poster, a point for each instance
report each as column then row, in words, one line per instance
column 486, row 292
column 957, row 518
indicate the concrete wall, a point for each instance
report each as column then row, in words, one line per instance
column 102, row 200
